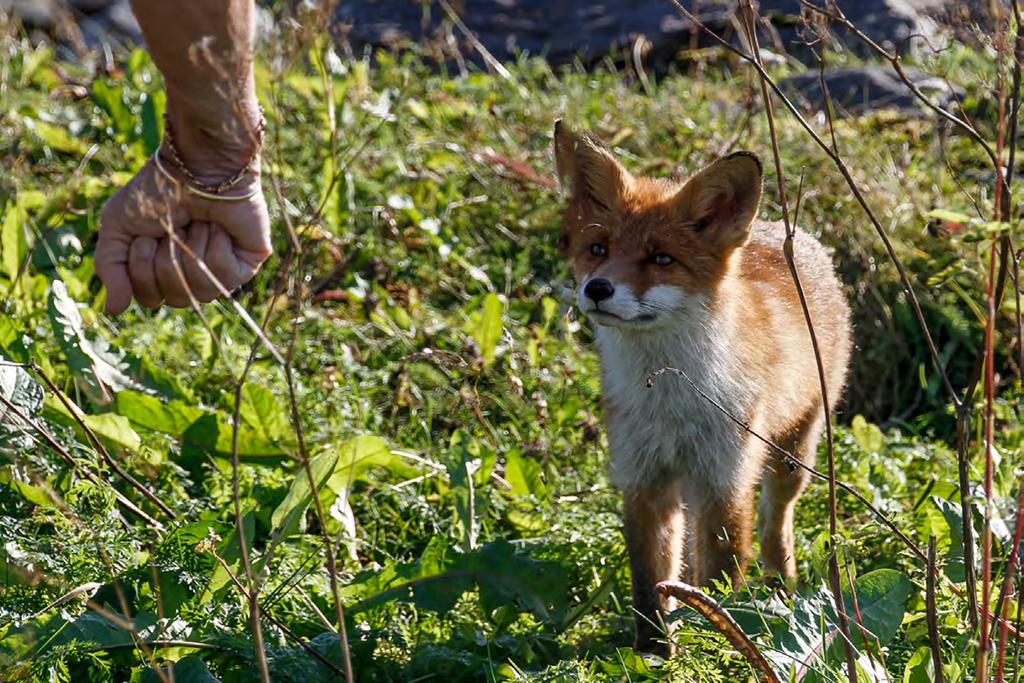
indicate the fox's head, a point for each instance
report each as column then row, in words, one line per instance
column 647, row 251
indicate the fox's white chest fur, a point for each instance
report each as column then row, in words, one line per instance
column 669, row 430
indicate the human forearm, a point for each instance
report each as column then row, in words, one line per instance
column 204, row 48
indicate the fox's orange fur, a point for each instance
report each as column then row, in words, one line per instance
column 684, row 276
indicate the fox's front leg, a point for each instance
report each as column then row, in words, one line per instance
column 654, row 540
column 722, row 534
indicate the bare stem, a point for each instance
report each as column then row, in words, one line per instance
column 932, row 614
column 723, row 623
column 834, row 577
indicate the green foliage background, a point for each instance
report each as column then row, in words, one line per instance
column 447, row 395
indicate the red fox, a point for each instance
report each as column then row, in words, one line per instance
column 682, row 275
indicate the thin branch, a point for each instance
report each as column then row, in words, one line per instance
column 854, row 189
column 207, row 546
column 932, row 614
column 723, row 623
column 74, row 411
column 1011, row 569
column 897, row 65
column 984, row 639
column 834, row 578
column 243, row 545
column 332, row 569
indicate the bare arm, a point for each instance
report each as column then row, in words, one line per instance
column 204, row 48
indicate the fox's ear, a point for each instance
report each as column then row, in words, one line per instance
column 585, row 165
column 722, row 200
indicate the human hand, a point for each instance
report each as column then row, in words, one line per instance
column 134, row 252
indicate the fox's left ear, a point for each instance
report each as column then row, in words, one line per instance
column 722, row 200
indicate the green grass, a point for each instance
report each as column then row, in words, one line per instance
column 447, row 335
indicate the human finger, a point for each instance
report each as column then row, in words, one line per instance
column 141, row 256
column 222, row 260
column 111, row 260
column 146, row 207
column 168, row 265
column 198, row 238
column 248, row 225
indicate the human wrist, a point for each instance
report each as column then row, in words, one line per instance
column 214, row 138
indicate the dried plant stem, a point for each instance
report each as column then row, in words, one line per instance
column 255, row 582
column 74, row 411
column 932, row 614
column 253, row 593
column 1011, row 568
column 984, row 639
column 725, row 624
column 963, row 462
column 1007, row 214
column 841, row 166
column 834, row 578
column 332, row 568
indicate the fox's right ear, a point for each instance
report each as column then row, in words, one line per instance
column 596, row 177
column 721, row 201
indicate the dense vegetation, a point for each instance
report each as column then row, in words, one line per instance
column 440, row 390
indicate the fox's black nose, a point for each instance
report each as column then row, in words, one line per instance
column 598, row 289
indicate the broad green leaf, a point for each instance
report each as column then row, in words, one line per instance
column 10, row 477
column 881, row 601
column 55, row 137
column 153, row 413
column 404, row 581
column 487, row 328
column 152, row 120
column 333, row 471
column 264, row 413
column 469, row 468
column 110, row 427
column 13, row 243
column 955, row 567
column 110, row 98
column 867, row 435
column 190, row 669
column 25, row 396
column 920, row 667
column 207, row 430
column 524, row 476
column 952, row 216
column 504, row 576
column 93, row 360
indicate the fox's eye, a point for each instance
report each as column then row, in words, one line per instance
column 662, row 259
column 598, row 249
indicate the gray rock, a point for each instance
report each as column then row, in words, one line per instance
column 114, row 25
column 560, row 30
column 99, row 23
column 890, row 23
column 856, row 90
column 563, row 30
column 33, row 13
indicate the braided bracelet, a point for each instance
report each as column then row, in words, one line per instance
column 197, row 187
column 201, row 193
